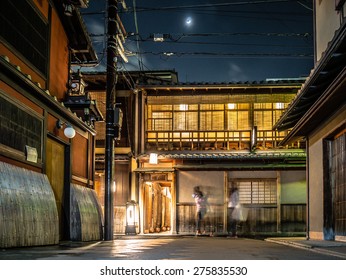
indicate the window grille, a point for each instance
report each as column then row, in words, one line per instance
column 25, row 30
column 210, row 118
column 256, row 191
column 263, row 120
column 19, row 126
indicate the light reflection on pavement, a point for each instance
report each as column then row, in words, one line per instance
column 167, row 248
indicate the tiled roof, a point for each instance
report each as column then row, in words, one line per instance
column 154, row 79
column 231, row 155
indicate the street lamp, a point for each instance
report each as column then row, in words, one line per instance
column 131, row 217
column 153, row 158
column 69, row 131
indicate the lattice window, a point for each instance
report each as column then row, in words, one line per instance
column 161, row 121
column 256, row 191
column 276, row 115
column 19, row 126
column 263, row 120
column 215, row 118
column 211, row 120
column 23, row 28
column 238, row 120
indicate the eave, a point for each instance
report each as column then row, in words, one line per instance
column 82, row 51
column 218, row 160
column 220, row 88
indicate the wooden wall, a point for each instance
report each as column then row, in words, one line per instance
column 293, row 218
column 119, row 219
column 28, row 213
column 59, row 58
column 80, row 156
column 261, row 219
column 212, row 222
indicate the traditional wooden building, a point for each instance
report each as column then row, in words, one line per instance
column 318, row 114
column 46, row 150
column 218, row 136
column 176, row 136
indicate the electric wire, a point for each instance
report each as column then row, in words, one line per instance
column 140, row 62
column 305, row 6
column 220, row 54
column 203, row 8
column 143, row 9
column 225, row 44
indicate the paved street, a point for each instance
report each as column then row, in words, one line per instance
column 170, row 248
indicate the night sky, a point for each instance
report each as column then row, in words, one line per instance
column 212, row 41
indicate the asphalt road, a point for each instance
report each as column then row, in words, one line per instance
column 168, row 248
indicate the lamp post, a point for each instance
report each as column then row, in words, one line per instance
column 131, row 217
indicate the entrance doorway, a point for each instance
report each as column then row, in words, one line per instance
column 56, row 172
column 157, row 206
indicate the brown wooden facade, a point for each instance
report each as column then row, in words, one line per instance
column 36, row 55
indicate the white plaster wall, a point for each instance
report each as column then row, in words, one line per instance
column 326, row 23
column 293, row 187
column 315, row 170
column 253, row 174
column 210, row 182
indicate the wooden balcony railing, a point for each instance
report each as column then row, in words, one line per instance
column 213, row 140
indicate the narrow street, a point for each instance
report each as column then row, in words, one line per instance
column 168, row 248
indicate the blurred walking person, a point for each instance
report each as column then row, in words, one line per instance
column 232, row 204
column 201, row 207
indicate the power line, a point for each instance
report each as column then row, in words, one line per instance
column 225, row 44
column 262, row 34
column 140, row 62
column 216, row 34
column 220, row 54
column 143, row 9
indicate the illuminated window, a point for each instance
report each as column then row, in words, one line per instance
column 153, row 158
column 238, row 120
column 231, row 106
column 183, row 107
column 214, row 118
column 263, row 119
column 279, row 105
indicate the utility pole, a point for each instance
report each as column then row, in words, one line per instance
column 112, row 9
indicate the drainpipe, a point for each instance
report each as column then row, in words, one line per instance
column 110, row 104
column 307, row 191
